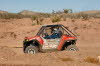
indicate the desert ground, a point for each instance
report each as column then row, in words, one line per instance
column 13, row 31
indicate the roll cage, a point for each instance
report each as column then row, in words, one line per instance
column 58, row 25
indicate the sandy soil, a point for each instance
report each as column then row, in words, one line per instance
column 12, row 33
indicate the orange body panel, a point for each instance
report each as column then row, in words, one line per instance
column 38, row 38
column 63, row 39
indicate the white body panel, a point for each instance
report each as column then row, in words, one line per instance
column 50, row 43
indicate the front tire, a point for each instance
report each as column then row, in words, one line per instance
column 31, row 50
column 72, row 48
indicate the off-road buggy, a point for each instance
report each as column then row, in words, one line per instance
column 50, row 37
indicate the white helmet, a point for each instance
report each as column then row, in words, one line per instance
column 55, row 29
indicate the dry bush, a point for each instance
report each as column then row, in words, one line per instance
column 41, row 19
column 82, row 16
column 56, row 19
column 34, row 18
column 76, row 16
column 19, row 16
column 44, row 15
column 66, row 59
column 11, row 16
column 37, row 19
column 91, row 60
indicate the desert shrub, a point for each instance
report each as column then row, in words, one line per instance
column 77, row 16
column 56, row 19
column 91, row 60
column 83, row 16
column 66, row 10
column 37, row 21
column 45, row 15
column 70, row 15
column 19, row 16
column 41, row 19
column 34, row 17
column 11, row 16
column 63, row 17
column 94, row 15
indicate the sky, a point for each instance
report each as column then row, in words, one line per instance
column 48, row 6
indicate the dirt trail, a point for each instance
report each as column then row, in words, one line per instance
column 12, row 33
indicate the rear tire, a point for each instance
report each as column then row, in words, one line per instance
column 72, row 48
column 31, row 50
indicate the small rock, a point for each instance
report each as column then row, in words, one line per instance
column 99, row 58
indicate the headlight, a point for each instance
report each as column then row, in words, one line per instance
column 26, row 40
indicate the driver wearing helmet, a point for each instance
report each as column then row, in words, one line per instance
column 56, row 33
